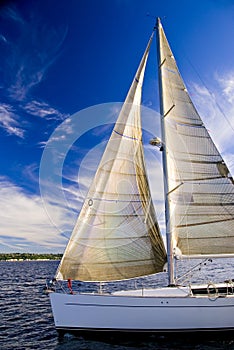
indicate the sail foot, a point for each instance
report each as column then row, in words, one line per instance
column 103, row 272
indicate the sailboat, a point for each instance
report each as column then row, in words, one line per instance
column 117, row 236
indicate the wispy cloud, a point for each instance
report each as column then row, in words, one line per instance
column 64, row 130
column 11, row 12
column 8, row 121
column 3, row 38
column 24, row 222
column 43, row 110
column 30, row 53
column 24, row 62
column 30, row 173
column 10, row 116
column 227, row 84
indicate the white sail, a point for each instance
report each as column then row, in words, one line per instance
column 116, row 235
column 200, row 187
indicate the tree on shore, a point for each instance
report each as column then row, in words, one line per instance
column 30, row 256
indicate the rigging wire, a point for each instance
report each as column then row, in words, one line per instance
column 192, row 269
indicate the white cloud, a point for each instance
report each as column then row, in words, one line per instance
column 11, row 12
column 8, row 121
column 9, row 117
column 43, row 110
column 24, row 221
column 30, row 53
column 65, row 130
column 25, row 62
column 227, row 84
column 3, row 38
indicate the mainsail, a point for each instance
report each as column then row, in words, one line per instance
column 200, row 187
column 116, row 235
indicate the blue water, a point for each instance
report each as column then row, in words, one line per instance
column 26, row 320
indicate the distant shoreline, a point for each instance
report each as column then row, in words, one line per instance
column 29, row 256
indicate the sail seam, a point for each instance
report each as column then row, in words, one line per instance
column 116, row 263
column 128, row 137
column 221, row 204
column 205, row 179
column 205, row 215
column 198, row 161
column 205, row 223
column 119, row 200
column 118, row 238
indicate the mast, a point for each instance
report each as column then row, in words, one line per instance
column 170, row 256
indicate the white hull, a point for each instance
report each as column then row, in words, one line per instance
column 159, row 310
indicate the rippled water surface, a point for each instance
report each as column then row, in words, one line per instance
column 26, row 320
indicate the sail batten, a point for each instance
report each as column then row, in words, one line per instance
column 116, row 235
column 202, row 206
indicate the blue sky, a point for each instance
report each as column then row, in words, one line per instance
column 59, row 58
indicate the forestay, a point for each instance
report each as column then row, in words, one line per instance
column 201, row 188
column 116, row 235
